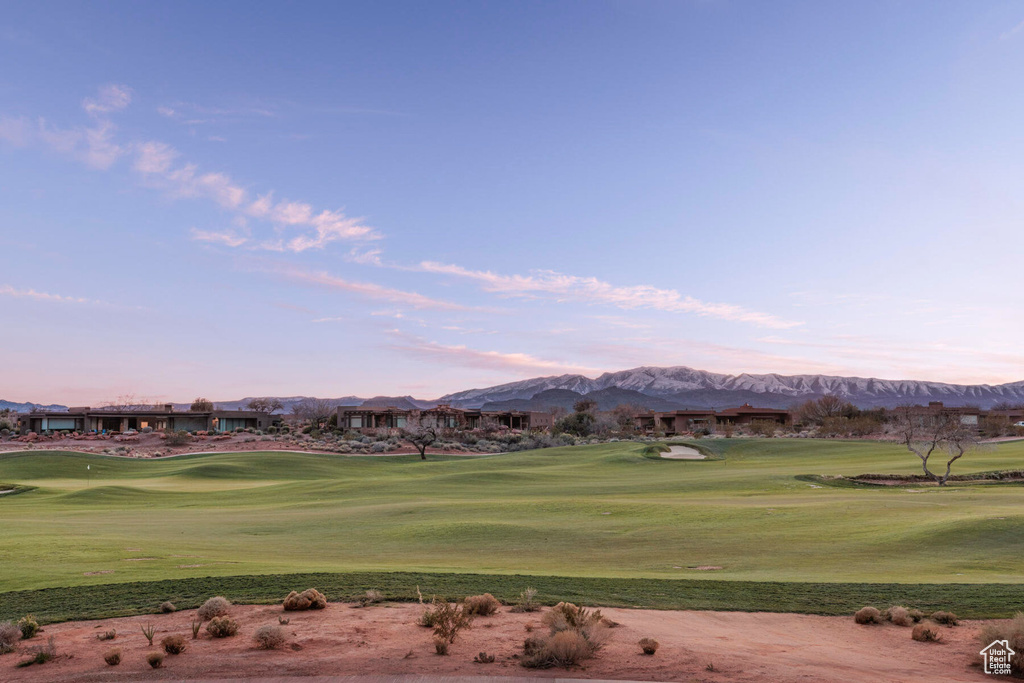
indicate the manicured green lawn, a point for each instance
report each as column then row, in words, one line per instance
column 596, row 511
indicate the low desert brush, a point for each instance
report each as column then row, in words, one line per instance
column 41, row 654
column 10, row 634
column 155, row 659
column 649, row 645
column 526, row 601
column 899, row 616
column 283, row 621
column 576, row 634
column 371, row 597
column 167, row 607
column 484, row 658
column 196, row 626
column 107, row 635
column 269, row 637
column 945, row 618
column 915, row 614
column 481, row 605
column 868, row 615
column 1012, row 632
column 214, row 607
column 173, row 645
column 29, row 626
column 926, row 633
column 222, row 627
column 112, row 657
column 149, row 630
column 449, row 619
column 441, row 645
column 310, row 598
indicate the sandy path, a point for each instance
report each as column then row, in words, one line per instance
column 683, row 453
column 384, row 640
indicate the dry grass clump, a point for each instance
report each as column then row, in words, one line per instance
column 107, row 635
column 10, row 634
column 214, row 607
column 222, row 627
column 576, row 635
column 112, row 657
column 310, row 598
column 155, row 659
column 649, row 645
column 899, row 616
column 168, row 607
column 1012, row 632
column 926, row 633
column 441, row 646
column 447, row 620
column 481, row 605
column 29, row 626
column 173, row 645
column 916, row 614
column 269, row 637
column 946, row 618
column 526, row 601
column 40, row 655
column 371, row 597
column 484, row 658
column 868, row 615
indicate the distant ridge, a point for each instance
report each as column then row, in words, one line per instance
column 685, row 387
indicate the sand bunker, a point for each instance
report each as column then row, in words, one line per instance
column 683, row 453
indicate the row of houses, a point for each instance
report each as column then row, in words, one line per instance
column 157, row 418
column 371, row 418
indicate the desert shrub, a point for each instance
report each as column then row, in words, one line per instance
column 214, row 607
column 484, row 658
column 112, row 657
column 149, row 630
column 649, row 645
column 107, row 635
column 41, row 654
column 441, row 645
column 155, row 659
column 177, row 438
column 1012, row 632
column 899, row 616
column 371, row 597
column 28, row 626
column 196, row 625
column 946, row 618
column 222, row 627
column 428, row 619
column 868, row 615
column 450, row 619
column 481, row 605
column 167, row 607
column 283, row 621
column 173, row 645
column 915, row 614
column 526, row 601
column 310, row 598
column 269, row 637
column 576, row 634
column 926, row 633
column 10, row 634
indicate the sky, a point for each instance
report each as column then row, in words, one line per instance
column 248, row 198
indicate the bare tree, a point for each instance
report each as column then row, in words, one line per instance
column 925, row 433
column 317, row 411
column 201, row 405
column 829, row 405
column 421, row 433
column 265, row 405
column 624, row 416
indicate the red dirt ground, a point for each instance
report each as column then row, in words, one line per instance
column 384, row 639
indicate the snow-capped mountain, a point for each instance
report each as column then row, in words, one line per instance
column 687, row 387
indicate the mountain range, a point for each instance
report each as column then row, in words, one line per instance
column 657, row 388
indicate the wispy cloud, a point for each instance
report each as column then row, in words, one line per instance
column 11, row 291
column 463, row 356
column 227, row 238
column 367, row 290
column 110, row 98
column 561, row 287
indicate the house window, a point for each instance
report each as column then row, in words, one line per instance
column 400, row 421
column 355, row 422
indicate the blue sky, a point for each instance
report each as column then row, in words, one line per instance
column 237, row 199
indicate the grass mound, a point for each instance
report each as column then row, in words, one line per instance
column 310, row 598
